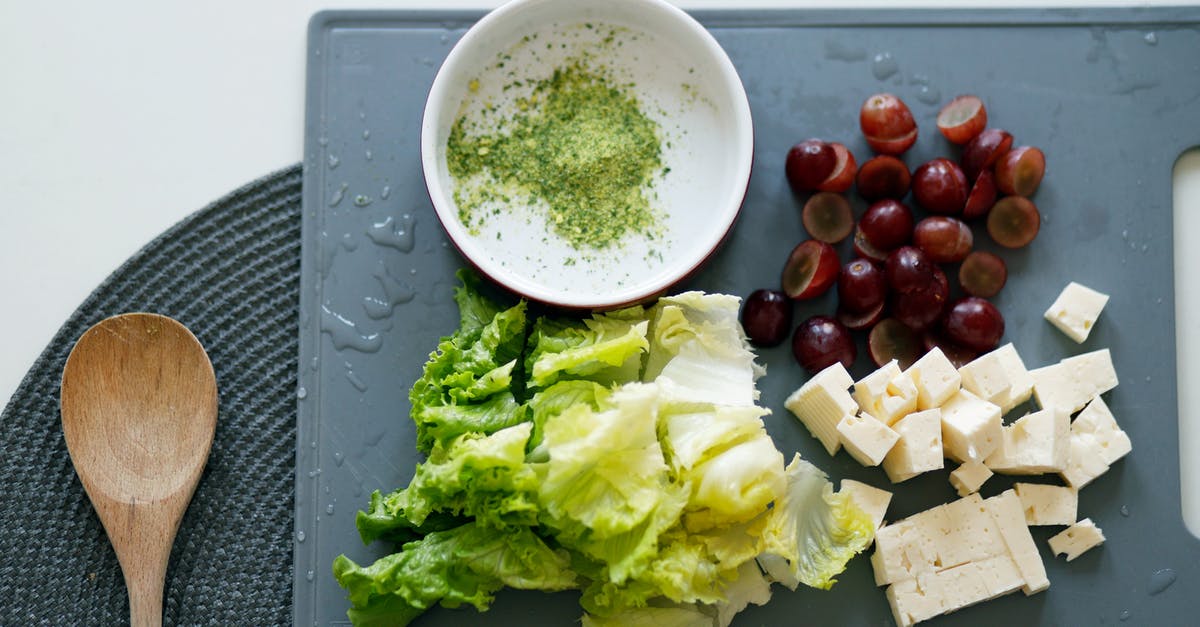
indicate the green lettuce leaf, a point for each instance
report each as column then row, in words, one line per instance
column 464, row 565
column 605, row 348
column 813, row 532
column 556, row 399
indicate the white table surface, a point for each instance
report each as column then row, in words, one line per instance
column 118, row 119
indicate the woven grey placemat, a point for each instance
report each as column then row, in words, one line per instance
column 230, row 272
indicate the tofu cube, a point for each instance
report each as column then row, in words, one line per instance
column 887, row 394
column 1038, row 443
column 1075, row 310
column 971, row 427
column 935, row 593
column 969, row 477
column 1085, row 460
column 937, row 379
column 869, row 499
column 901, row 552
column 1073, row 382
column 962, row 531
column 998, row 377
column 866, row 439
column 1077, row 539
column 1006, row 512
column 1097, row 420
column 919, row 448
column 822, row 402
column 1047, row 504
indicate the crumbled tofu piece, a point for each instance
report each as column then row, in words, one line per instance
column 1075, row 310
column 869, row 499
column 1096, row 419
column 1047, row 504
column 937, row 379
column 919, row 448
column 1074, row 381
column 971, row 427
column 822, row 402
column 969, row 477
column 887, row 394
column 1037, row 443
column 1077, row 539
column 1005, row 509
column 866, row 439
column 1085, row 460
column 998, row 377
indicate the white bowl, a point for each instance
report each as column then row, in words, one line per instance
column 682, row 79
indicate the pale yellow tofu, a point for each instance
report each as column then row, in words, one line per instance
column 1077, row 539
column 919, row 448
column 866, row 439
column 1047, row 504
column 971, row 427
column 969, row 477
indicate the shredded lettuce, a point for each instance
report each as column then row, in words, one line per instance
column 623, row 455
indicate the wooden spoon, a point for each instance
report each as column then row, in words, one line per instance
column 139, row 408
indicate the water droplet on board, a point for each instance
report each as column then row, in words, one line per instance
column 395, row 293
column 1151, row 39
column 314, row 364
column 362, row 200
column 444, row 39
column 373, row 438
column 1125, row 511
column 369, row 155
column 349, row 242
column 398, row 236
column 339, row 458
column 362, row 115
column 1125, row 615
column 366, row 133
column 329, row 509
column 301, row 393
column 334, row 162
column 310, row 575
column 322, row 141
column 338, row 195
column 299, row 536
column 883, row 66
column 345, row 334
column 426, row 61
column 926, row 92
column 313, row 474
column 385, row 192
column 356, row 381
column 1161, row 580
column 837, row 51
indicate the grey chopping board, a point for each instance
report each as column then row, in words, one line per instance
column 1111, row 95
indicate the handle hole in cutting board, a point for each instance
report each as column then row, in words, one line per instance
column 1186, row 208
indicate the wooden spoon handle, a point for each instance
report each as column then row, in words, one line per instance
column 142, row 535
column 145, row 596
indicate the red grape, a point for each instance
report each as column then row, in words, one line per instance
column 962, row 119
column 890, row 339
column 921, row 307
column 808, row 163
column 981, row 152
column 857, row 321
column 909, row 269
column 944, row 240
column 982, row 196
column 1014, row 221
column 863, row 248
column 861, row 286
column 940, row 186
column 827, row 217
column 883, row 176
column 820, row 342
column 767, row 317
column 888, row 124
column 974, row 323
column 1020, row 170
column 982, row 274
column 843, row 173
column 810, row 270
column 887, row 225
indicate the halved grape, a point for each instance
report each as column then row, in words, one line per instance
column 1014, row 221
column 974, row 323
column 895, row 146
column 981, row 152
column 827, row 217
column 982, row 274
column 810, row 270
column 982, row 196
column 962, row 119
column 863, row 248
column 767, row 317
column 808, row 163
column 890, row 339
column 944, row 239
column 940, row 186
column 883, row 176
column 861, row 286
column 843, row 173
column 857, row 321
column 820, row 342
column 887, row 225
column 888, row 124
column 909, row 269
column 1020, row 170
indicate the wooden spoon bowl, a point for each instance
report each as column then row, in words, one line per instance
column 139, row 410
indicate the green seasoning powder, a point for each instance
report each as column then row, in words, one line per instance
column 580, row 145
